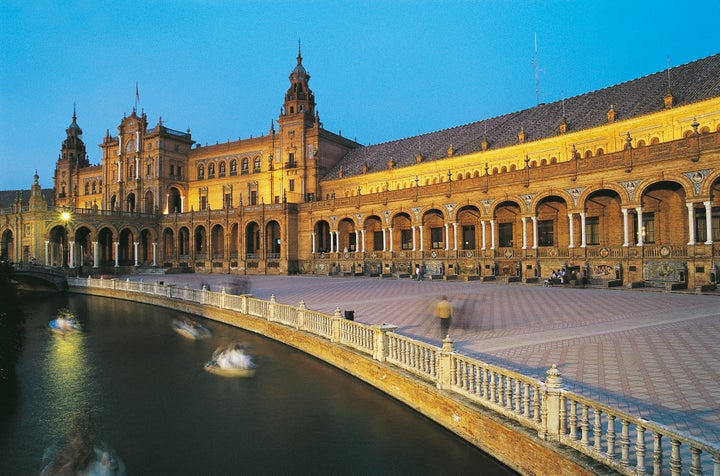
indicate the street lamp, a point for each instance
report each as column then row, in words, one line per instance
column 65, row 217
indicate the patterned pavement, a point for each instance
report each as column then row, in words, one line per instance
column 653, row 354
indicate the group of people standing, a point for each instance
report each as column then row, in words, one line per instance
column 561, row 276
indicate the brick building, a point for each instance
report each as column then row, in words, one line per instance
column 620, row 184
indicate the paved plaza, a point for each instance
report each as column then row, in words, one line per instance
column 653, row 354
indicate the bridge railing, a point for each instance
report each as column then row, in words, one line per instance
column 629, row 444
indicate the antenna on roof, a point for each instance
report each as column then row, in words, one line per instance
column 536, row 66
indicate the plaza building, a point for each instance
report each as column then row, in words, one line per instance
column 619, row 185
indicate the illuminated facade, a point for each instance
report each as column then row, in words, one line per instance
column 620, row 183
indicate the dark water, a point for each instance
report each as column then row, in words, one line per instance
column 144, row 392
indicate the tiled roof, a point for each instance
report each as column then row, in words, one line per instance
column 7, row 197
column 689, row 83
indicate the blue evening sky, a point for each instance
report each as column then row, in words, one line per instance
column 380, row 70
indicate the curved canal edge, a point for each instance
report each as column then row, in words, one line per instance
column 510, row 443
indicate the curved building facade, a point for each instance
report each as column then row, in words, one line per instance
column 618, row 186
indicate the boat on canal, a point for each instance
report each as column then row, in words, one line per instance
column 231, row 361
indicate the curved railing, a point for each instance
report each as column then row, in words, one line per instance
column 629, row 444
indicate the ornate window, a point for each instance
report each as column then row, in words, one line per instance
column 256, row 165
column 245, row 166
column 211, row 170
column 201, row 172
column 233, row 167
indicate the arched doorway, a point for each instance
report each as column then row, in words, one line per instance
column 7, row 250
column 272, row 239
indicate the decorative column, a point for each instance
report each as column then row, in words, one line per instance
column 362, row 232
column 96, row 255
column 626, row 228
column 155, row 254
column 708, row 222
column 641, row 238
column 492, row 234
column 312, row 241
column 535, row 231
column 455, row 241
column 583, row 232
column 137, row 168
column 47, row 253
column 71, row 254
column 422, row 238
column 384, row 233
column 524, row 232
column 117, row 254
column 482, row 229
column 390, row 236
column 691, row 223
column 135, row 252
column 552, row 405
column 182, row 203
column 414, row 239
column 571, row 230
column 447, row 237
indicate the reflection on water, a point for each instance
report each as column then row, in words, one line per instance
column 143, row 389
column 68, row 380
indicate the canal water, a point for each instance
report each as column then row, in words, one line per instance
column 143, row 391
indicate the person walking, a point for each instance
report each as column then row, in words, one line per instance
column 444, row 312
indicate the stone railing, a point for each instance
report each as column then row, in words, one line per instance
column 625, row 443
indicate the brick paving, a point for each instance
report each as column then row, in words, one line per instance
column 653, row 354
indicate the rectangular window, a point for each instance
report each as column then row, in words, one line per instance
column 203, row 202
column 228, row 200
column 292, row 185
column 436, row 238
column 378, row 241
column 468, row 237
column 592, row 230
column 406, row 239
column 546, row 233
column 352, row 242
column 701, row 225
column 648, row 229
column 505, row 235
column 253, row 197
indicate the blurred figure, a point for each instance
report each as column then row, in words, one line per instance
column 444, row 312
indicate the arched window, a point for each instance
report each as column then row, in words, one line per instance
column 221, row 169
column 211, row 170
column 87, row 188
column 201, row 172
column 94, row 187
column 256, row 165
column 588, row 154
column 233, row 167
column 245, row 166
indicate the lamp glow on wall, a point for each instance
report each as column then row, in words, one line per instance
column 65, row 218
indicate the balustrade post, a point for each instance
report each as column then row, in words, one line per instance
column 336, row 323
column 301, row 315
column 244, row 304
column 271, row 308
column 381, row 340
column 444, row 368
column 222, row 298
column 551, row 404
column 203, row 294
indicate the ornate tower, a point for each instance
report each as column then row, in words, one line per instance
column 73, row 157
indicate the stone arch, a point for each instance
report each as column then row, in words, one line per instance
column 7, row 246
column 402, row 234
column 149, row 202
column 252, row 240
column 217, row 241
column 347, row 235
column 174, row 200
column 467, row 218
column 507, row 214
column 200, row 242
column 183, row 241
column 373, row 234
column 273, row 239
column 604, row 218
column 323, row 239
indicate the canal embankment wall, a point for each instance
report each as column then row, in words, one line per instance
column 513, row 444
